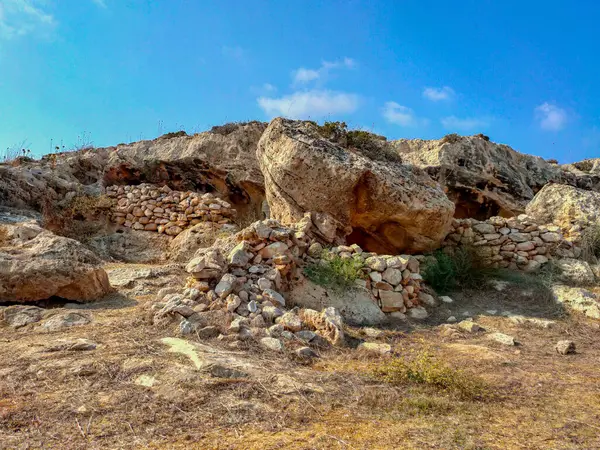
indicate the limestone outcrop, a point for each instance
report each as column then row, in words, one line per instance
column 37, row 265
column 384, row 207
column 221, row 160
column 566, row 206
column 483, row 179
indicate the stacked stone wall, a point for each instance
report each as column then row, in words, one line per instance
column 163, row 210
column 514, row 243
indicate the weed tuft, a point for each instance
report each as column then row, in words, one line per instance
column 423, row 368
column 335, row 273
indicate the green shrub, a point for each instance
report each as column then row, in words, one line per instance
column 462, row 268
column 423, row 368
column 452, row 138
column 333, row 130
column 333, row 272
column 173, row 134
column 590, row 244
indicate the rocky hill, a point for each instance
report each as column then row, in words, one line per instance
column 272, row 276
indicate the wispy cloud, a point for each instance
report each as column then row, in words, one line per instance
column 453, row 123
column 551, row 117
column 312, row 104
column 303, row 75
column 100, row 3
column 23, row 17
column 438, row 94
column 402, row 115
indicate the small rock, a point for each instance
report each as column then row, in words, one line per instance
column 274, row 297
column 503, row 339
column 306, row 353
column 470, row 326
column 446, row 299
column 208, row 332
column 427, row 299
column 451, row 319
column 291, row 322
column 225, row 286
column 418, row 313
column 565, row 347
column 70, row 319
column 374, row 347
column 373, row 332
column 305, row 335
column 272, row 344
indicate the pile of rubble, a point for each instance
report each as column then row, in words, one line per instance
column 152, row 208
column 514, row 243
column 241, row 296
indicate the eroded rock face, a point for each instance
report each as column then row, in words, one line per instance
column 384, row 207
column 565, row 206
column 218, row 160
column 483, row 179
column 36, row 265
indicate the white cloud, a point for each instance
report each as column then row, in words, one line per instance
column 438, row 94
column 23, row 17
column 269, row 87
column 304, row 75
column 100, row 3
column 454, row 123
column 551, row 117
column 310, row 104
column 402, row 115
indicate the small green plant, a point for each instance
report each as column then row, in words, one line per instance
column 333, row 130
column 423, row 368
column 173, row 134
column 452, row 138
column 333, row 272
column 462, row 268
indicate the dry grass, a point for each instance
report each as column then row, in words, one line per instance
column 73, row 400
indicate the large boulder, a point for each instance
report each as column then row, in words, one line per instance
column 565, row 206
column 483, row 179
column 36, row 265
column 385, row 207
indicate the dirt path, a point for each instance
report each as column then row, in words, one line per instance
column 133, row 390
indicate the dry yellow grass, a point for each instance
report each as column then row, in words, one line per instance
column 73, row 400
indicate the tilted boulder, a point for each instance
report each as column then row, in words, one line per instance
column 36, row 265
column 565, row 206
column 385, row 207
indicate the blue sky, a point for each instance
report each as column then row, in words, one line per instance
column 524, row 73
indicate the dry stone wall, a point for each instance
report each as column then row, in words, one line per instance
column 514, row 243
column 394, row 281
column 160, row 209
